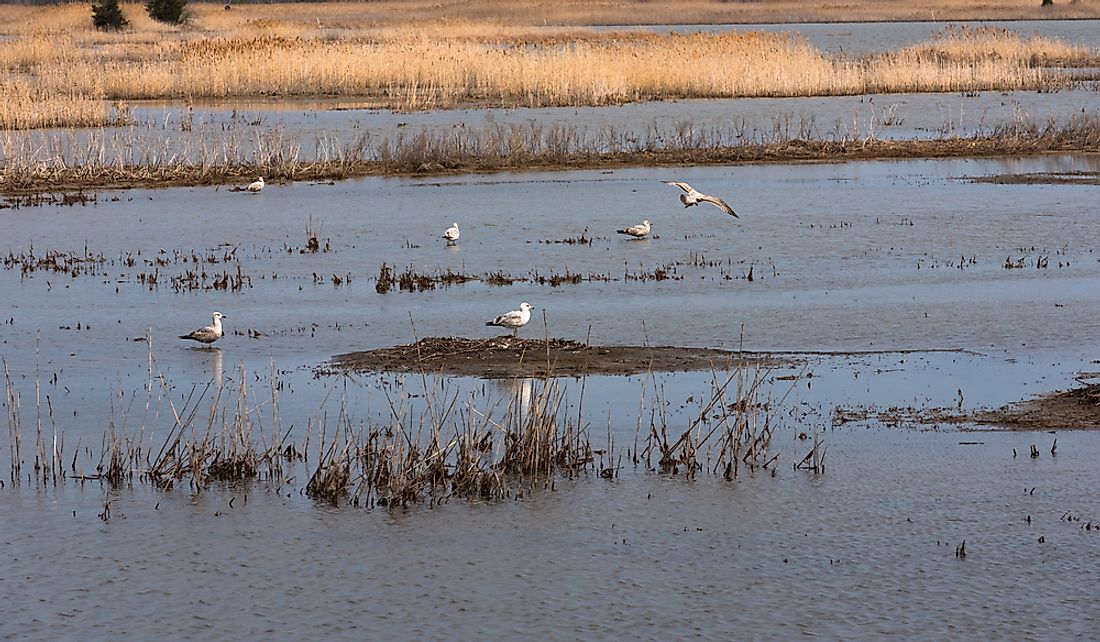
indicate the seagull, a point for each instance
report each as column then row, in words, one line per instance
column 256, row 185
column 451, row 234
column 637, row 231
column 208, row 334
column 515, row 319
column 692, row 196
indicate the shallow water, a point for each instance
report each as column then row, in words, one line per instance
column 865, row 550
column 846, row 257
column 309, row 130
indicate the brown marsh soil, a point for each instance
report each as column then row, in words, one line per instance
column 1076, row 409
column 1043, row 178
column 507, row 357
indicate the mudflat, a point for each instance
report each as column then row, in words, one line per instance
column 1075, row 408
column 507, row 357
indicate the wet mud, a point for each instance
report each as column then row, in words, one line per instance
column 508, row 357
column 1043, row 178
column 1074, row 409
column 1078, row 408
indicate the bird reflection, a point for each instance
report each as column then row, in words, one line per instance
column 215, row 363
column 518, row 394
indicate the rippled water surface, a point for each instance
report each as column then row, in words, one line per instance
column 863, row 551
column 873, row 257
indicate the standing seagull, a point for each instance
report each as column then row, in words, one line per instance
column 451, row 234
column 637, row 231
column 208, row 334
column 692, row 196
column 256, row 185
column 515, row 319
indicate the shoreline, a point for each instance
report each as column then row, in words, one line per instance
column 83, row 179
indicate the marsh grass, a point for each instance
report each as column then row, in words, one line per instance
column 431, row 444
column 421, row 73
column 341, row 17
column 483, row 62
column 67, row 161
column 27, row 105
column 962, row 43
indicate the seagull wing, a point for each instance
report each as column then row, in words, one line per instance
column 722, row 205
column 684, row 186
column 512, row 318
column 508, row 319
column 206, row 334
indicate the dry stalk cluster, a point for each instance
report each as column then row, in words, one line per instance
column 732, row 429
column 435, row 445
column 184, row 270
column 410, row 280
column 474, row 448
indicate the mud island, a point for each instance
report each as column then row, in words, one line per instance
column 506, row 357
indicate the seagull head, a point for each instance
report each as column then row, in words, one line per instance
column 526, row 307
column 645, row 222
column 219, row 315
column 454, row 224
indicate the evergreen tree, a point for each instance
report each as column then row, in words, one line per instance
column 170, row 11
column 107, row 15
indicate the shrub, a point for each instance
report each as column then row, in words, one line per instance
column 107, row 15
column 170, row 11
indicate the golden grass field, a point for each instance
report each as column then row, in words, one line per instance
column 56, row 70
column 390, row 13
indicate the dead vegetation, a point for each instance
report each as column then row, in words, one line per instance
column 60, row 73
column 1077, row 408
column 433, row 444
column 51, row 163
column 181, row 270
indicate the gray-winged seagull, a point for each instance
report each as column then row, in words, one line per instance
column 637, row 231
column 692, row 196
column 515, row 319
column 208, row 334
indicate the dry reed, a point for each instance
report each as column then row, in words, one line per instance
column 480, row 62
column 420, row 73
column 435, row 445
column 337, row 17
column 63, row 161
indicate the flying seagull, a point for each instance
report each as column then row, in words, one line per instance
column 692, row 196
column 451, row 233
column 208, row 334
column 637, row 231
column 515, row 319
column 256, row 185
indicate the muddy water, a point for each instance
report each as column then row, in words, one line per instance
column 853, row 257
